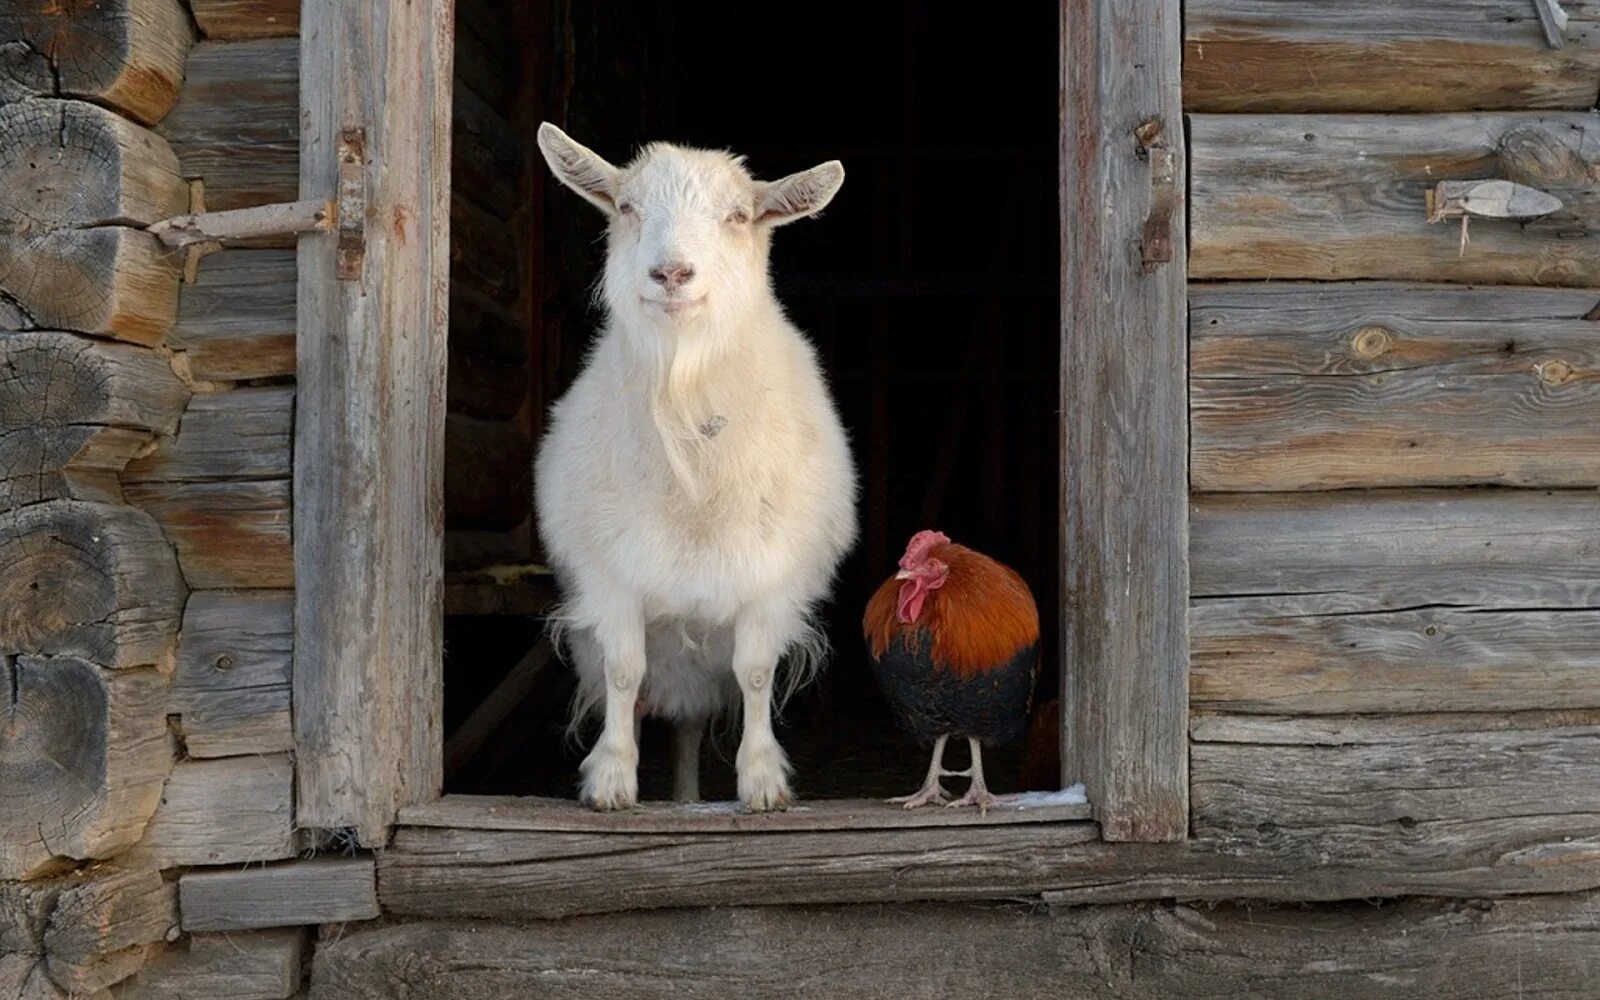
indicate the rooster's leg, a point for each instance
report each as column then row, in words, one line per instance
column 978, row 793
column 931, row 791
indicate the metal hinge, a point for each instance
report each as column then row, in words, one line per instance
column 352, row 201
column 1155, row 245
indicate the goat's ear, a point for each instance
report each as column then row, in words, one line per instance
column 579, row 168
column 798, row 195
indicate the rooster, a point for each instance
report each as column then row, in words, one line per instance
column 954, row 642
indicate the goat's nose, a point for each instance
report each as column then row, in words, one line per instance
column 672, row 274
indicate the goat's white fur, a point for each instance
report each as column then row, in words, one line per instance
column 695, row 491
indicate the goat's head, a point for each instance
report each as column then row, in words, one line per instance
column 690, row 229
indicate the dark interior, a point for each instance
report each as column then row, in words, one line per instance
column 930, row 287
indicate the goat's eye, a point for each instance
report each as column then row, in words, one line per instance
column 625, row 207
column 738, row 217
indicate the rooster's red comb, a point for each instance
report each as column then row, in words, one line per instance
column 920, row 545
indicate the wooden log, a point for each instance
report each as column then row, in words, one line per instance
column 233, row 810
column 263, row 965
column 237, row 320
column 73, row 411
column 480, row 327
column 1343, row 197
column 1501, row 550
column 89, row 580
column 483, row 253
column 105, row 929
column 229, row 535
column 466, row 549
column 1124, row 531
column 1421, row 948
column 127, row 54
column 488, row 474
column 486, row 155
column 484, row 389
column 71, row 176
column 243, row 434
column 486, row 61
column 233, row 20
column 1373, row 55
column 370, row 424
column 231, row 689
column 1304, row 386
column 84, row 754
column 320, row 891
column 240, row 225
column 236, row 124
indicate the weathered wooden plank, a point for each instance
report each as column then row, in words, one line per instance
column 72, row 177
column 103, row 930
column 1314, row 386
column 1493, row 549
column 370, row 427
column 127, row 54
column 229, row 535
column 486, row 59
column 231, row 689
column 89, row 580
column 233, row 810
column 82, row 760
column 261, row 965
column 483, row 253
column 487, row 163
column 1341, row 197
column 1124, row 530
column 265, row 965
column 236, row 122
column 73, row 411
column 1542, row 946
column 233, row 20
column 320, row 891
column 1375, row 55
column 237, row 320
column 242, row 434
column 488, row 474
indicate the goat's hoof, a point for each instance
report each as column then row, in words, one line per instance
column 610, row 780
column 763, row 780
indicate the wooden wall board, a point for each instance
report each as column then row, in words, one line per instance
column 325, row 890
column 229, row 811
column 231, row 688
column 229, row 535
column 237, row 320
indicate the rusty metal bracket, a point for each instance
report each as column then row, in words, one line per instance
column 1155, row 245
column 352, row 202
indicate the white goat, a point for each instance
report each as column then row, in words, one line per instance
column 695, row 490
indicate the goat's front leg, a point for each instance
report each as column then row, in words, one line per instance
column 610, row 774
column 758, row 639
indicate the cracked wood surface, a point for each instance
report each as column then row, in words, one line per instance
column 231, row 689
column 229, row 535
column 263, row 965
column 229, row 811
column 76, row 935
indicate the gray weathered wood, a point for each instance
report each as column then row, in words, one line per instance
column 71, row 176
column 1342, row 197
column 369, row 443
column 1537, row 947
column 237, row 320
column 235, row 124
column 530, row 813
column 259, row 965
column 1313, row 386
column 83, row 754
column 234, row 810
column 243, row 434
column 103, row 930
column 279, row 219
column 231, row 689
column 222, row 20
column 73, row 411
column 89, row 580
column 124, row 53
column 320, row 891
column 1124, row 530
column 229, row 535
column 1376, row 55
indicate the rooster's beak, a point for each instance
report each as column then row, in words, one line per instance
column 904, row 574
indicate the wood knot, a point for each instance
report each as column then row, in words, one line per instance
column 1372, row 341
column 223, row 662
column 1554, row 372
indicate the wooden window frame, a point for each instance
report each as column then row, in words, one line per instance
column 368, row 470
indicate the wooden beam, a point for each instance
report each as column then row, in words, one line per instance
column 82, row 763
column 1343, row 197
column 234, row 810
column 229, row 535
column 492, row 712
column 1124, row 416
column 75, row 411
column 127, row 54
column 232, row 20
column 231, row 689
column 279, row 219
column 1312, row 386
column 321, row 891
column 1425, row 948
column 1374, row 55
column 103, row 930
column 260, row 965
column 238, row 435
column 369, row 446
column 236, row 123
column 236, row 321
